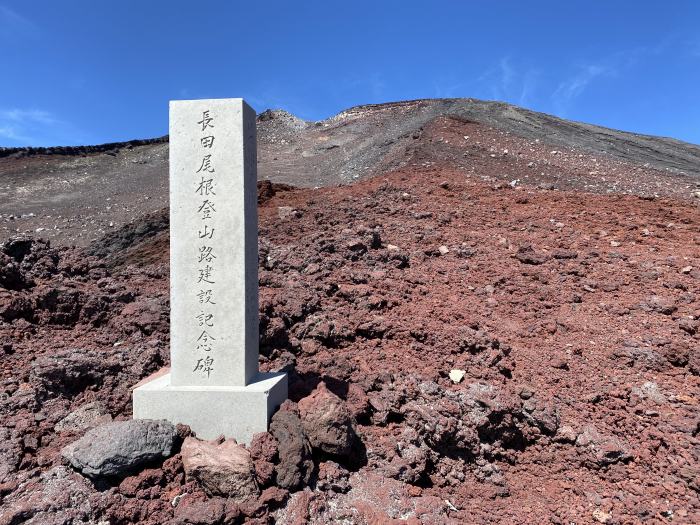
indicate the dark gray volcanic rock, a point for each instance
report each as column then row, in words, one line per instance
column 119, row 448
column 295, row 464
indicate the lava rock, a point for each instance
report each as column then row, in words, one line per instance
column 71, row 371
column 690, row 326
column 193, row 511
column 659, row 304
column 410, row 463
column 295, row 464
column 604, row 450
column 146, row 315
column 224, row 469
column 273, row 497
column 55, row 496
column 332, row 476
column 327, row 421
column 85, row 416
column 11, row 278
column 565, row 254
column 528, row 255
column 58, row 305
column 263, row 450
column 545, row 416
column 566, row 434
column 439, row 421
column 121, row 447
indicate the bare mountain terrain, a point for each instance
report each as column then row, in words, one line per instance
column 497, row 321
column 75, row 195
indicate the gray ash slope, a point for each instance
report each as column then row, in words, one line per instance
column 364, row 136
column 76, row 195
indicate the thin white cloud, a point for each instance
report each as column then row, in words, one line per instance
column 36, row 127
column 528, row 85
column 507, row 73
column 508, row 82
column 447, row 87
column 573, row 87
column 13, row 24
column 31, row 115
column 373, row 85
column 10, row 133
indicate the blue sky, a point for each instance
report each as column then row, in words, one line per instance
column 88, row 71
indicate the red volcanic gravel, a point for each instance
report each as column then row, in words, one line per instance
column 575, row 317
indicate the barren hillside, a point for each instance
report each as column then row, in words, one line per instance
column 75, row 195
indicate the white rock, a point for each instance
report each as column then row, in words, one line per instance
column 284, row 212
column 456, row 375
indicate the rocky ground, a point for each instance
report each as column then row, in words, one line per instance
column 460, row 350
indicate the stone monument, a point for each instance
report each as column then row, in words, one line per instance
column 213, row 385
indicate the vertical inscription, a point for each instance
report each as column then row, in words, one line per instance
column 204, row 187
column 213, row 243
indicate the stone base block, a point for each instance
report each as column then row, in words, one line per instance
column 210, row 411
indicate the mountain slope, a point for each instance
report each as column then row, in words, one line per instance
column 74, row 195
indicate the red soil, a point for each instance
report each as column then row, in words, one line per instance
column 574, row 315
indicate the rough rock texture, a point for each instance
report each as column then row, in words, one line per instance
column 200, row 511
column 84, row 417
column 224, row 469
column 120, row 447
column 327, row 421
column 579, row 401
column 57, row 496
column 264, row 451
column 372, row 499
column 294, row 450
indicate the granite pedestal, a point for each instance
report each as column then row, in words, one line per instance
column 212, row 411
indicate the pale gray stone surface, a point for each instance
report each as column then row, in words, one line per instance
column 235, row 412
column 85, row 416
column 121, row 447
column 213, row 164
